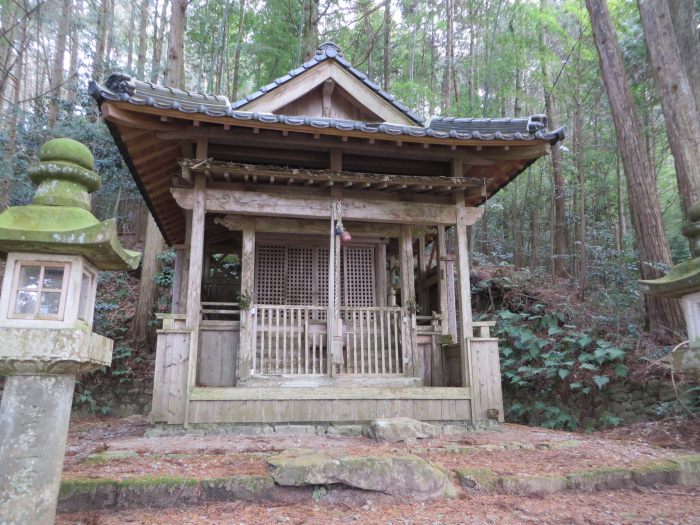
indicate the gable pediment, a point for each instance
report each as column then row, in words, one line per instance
column 328, row 86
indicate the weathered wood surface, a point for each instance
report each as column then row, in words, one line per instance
column 408, row 299
column 326, row 381
column 309, row 226
column 298, row 87
column 453, row 365
column 247, row 334
column 328, row 411
column 352, row 391
column 487, row 378
column 217, row 357
column 268, row 204
column 170, row 377
column 250, row 173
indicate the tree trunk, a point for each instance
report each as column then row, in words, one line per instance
column 72, row 84
column 158, row 38
column 387, row 43
column 654, row 252
column 152, row 247
column 559, row 192
column 57, row 73
column 101, row 43
column 173, row 75
column 581, row 211
column 141, row 52
column 685, row 27
column 237, row 53
column 535, row 233
column 310, row 35
column 677, row 101
column 448, row 72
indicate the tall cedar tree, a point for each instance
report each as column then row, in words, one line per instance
column 654, row 251
column 677, row 100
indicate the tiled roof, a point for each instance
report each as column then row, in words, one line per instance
column 123, row 88
column 330, row 51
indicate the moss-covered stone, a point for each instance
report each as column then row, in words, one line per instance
column 605, row 478
column 59, row 220
column 109, row 455
column 402, row 476
column 535, row 484
column 476, row 478
column 78, row 486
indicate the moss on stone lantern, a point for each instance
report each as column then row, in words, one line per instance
column 54, row 248
column 683, row 282
column 59, row 221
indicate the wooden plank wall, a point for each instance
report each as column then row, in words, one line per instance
column 217, row 357
column 487, row 377
column 453, row 368
column 170, row 378
column 429, row 360
column 327, row 411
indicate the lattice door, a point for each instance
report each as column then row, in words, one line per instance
column 271, row 274
column 300, row 275
column 358, row 276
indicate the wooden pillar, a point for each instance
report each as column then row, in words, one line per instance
column 408, row 298
column 178, row 272
column 422, row 274
column 464, row 293
column 335, row 323
column 194, row 288
column 380, row 274
column 185, row 277
column 446, row 287
column 248, row 317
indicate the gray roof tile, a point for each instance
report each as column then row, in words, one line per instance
column 121, row 87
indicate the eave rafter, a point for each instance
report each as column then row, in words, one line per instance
column 235, row 172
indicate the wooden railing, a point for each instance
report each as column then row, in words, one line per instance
column 372, row 340
column 293, row 340
column 289, row 340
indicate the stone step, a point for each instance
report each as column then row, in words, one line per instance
column 164, row 492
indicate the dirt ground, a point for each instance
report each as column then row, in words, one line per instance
column 511, row 451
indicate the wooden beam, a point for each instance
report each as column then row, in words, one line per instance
column 295, row 140
column 312, row 226
column 330, row 392
column 266, row 204
column 123, row 117
column 335, row 173
column 336, row 162
column 248, row 318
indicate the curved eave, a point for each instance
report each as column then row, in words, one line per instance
column 99, row 244
column 682, row 279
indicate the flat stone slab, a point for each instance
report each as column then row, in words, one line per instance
column 405, row 476
column 397, row 429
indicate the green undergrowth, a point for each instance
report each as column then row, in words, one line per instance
column 560, row 359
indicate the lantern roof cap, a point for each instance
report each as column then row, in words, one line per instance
column 59, row 220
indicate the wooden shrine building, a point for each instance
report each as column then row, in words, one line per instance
column 309, row 219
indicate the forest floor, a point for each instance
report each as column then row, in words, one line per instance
column 100, row 449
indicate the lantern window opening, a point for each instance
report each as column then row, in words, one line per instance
column 85, row 301
column 39, row 290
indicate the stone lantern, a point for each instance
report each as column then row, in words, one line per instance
column 683, row 282
column 54, row 248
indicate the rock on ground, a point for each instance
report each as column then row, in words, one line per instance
column 398, row 429
column 405, row 476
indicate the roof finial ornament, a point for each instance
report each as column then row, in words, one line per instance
column 330, row 49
